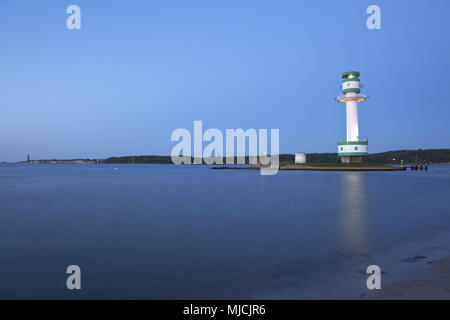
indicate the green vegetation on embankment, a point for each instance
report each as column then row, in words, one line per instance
column 140, row 159
column 408, row 156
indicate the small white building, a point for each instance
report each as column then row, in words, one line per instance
column 300, row 157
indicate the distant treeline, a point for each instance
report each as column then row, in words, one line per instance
column 394, row 157
column 412, row 156
column 140, row 159
column 408, row 156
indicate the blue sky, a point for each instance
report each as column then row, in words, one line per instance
column 137, row 70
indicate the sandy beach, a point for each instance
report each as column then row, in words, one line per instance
column 431, row 282
column 416, row 270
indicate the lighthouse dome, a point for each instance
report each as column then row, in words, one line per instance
column 351, row 82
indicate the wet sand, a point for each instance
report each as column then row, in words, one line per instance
column 431, row 282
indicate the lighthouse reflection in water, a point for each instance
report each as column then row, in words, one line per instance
column 353, row 210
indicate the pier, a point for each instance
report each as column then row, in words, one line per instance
column 310, row 168
column 417, row 167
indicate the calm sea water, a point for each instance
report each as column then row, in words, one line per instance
column 168, row 232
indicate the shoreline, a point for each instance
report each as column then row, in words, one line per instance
column 431, row 282
column 417, row 270
column 294, row 167
column 310, row 168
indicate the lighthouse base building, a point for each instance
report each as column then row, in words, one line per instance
column 354, row 149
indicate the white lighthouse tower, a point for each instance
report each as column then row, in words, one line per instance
column 354, row 149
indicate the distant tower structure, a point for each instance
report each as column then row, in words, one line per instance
column 28, row 158
column 354, row 149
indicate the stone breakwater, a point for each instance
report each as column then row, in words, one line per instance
column 310, row 168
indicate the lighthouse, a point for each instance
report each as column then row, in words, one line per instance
column 354, row 149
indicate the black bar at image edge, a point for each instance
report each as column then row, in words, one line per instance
column 221, row 309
